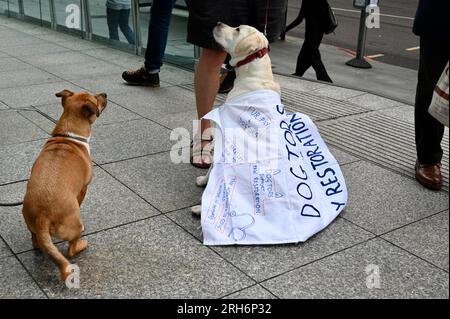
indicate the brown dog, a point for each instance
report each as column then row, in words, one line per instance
column 59, row 179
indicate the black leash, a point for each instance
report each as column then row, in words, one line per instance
column 10, row 204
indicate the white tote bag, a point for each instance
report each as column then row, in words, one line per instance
column 439, row 105
column 273, row 181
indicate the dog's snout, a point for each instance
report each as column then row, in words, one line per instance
column 104, row 95
column 219, row 24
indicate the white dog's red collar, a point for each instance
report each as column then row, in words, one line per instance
column 257, row 55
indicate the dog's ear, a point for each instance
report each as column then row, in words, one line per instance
column 90, row 108
column 64, row 93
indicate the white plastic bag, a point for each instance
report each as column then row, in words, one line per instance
column 439, row 105
column 273, row 181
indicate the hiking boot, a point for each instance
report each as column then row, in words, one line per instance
column 141, row 77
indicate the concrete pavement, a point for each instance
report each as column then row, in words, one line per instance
column 144, row 242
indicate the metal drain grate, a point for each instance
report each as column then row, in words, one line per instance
column 381, row 139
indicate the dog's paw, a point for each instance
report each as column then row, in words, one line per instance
column 202, row 181
column 196, row 210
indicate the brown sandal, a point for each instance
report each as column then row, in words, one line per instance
column 201, row 156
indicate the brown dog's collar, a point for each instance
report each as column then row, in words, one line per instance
column 72, row 136
column 75, row 138
column 257, row 55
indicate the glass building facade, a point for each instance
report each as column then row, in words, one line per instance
column 87, row 19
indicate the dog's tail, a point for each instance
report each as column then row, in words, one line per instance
column 45, row 243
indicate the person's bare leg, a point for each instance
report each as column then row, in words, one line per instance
column 207, row 75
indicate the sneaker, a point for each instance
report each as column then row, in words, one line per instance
column 227, row 81
column 141, row 77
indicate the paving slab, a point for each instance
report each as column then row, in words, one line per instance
column 108, row 204
column 380, row 200
column 79, row 71
column 78, row 44
column 427, row 238
column 11, row 64
column 39, row 49
column 27, row 28
column 297, row 84
column 336, row 92
column 3, row 106
column 403, row 112
column 373, row 102
column 44, row 123
column 39, row 94
column 4, row 250
column 113, row 84
column 166, row 185
column 16, row 283
column 16, row 160
column 353, row 274
column 159, row 102
column 14, row 38
column 188, row 221
column 14, row 128
column 169, row 75
column 124, row 140
column 262, row 262
column 123, row 59
column 59, row 59
column 256, row 292
column 342, row 156
column 25, row 77
column 150, row 259
column 184, row 121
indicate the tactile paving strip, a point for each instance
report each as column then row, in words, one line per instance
column 381, row 139
column 367, row 134
column 319, row 108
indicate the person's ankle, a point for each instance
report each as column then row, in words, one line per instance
column 151, row 71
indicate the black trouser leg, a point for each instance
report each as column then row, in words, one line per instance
column 303, row 60
column 315, row 29
column 434, row 55
column 310, row 54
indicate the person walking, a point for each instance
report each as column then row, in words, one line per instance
column 431, row 24
column 118, row 15
column 158, row 31
column 315, row 14
column 265, row 15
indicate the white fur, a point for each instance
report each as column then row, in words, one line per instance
column 80, row 142
column 255, row 75
column 240, row 42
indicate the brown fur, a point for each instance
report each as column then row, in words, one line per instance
column 59, row 180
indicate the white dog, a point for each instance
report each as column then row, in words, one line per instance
column 248, row 49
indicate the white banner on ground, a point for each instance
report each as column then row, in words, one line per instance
column 274, row 180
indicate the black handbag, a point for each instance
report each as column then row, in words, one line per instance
column 330, row 20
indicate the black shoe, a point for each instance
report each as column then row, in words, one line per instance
column 141, row 77
column 227, row 81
